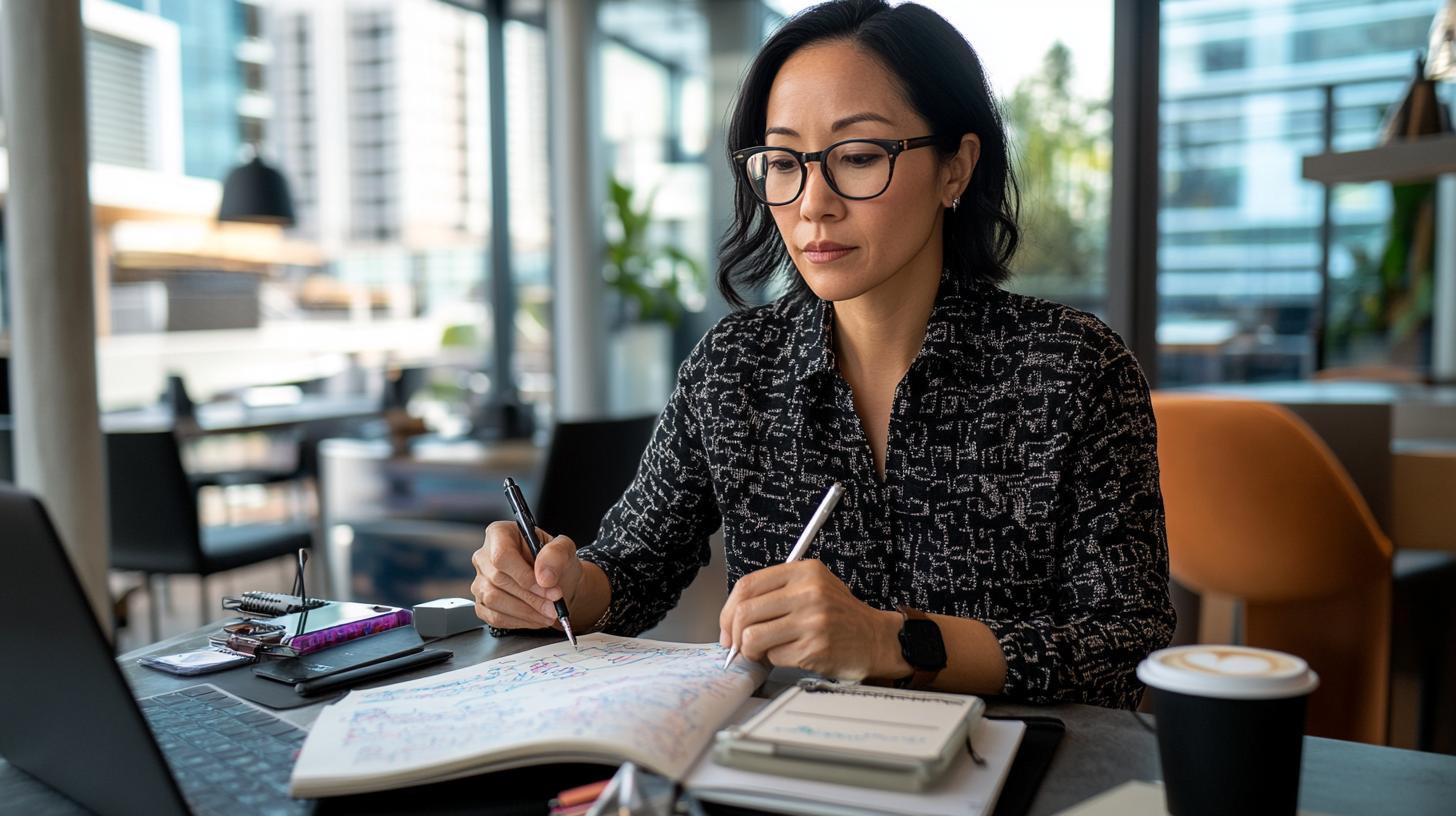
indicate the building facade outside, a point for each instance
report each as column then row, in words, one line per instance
column 1240, row 250
column 382, row 127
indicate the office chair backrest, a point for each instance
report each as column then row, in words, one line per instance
column 154, row 524
column 7, row 438
column 7, row 449
column 589, row 466
column 69, row 718
column 1259, row 509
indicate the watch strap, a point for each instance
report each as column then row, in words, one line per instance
column 921, row 678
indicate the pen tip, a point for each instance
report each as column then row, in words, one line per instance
column 729, row 661
column 566, row 627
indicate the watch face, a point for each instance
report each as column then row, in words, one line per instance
column 921, row 645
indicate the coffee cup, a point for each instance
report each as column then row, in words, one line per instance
column 1230, row 727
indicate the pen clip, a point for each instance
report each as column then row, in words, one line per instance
column 524, row 520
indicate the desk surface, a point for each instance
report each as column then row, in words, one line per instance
column 1102, row 748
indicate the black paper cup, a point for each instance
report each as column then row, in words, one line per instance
column 1230, row 728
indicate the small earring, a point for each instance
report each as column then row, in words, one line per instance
column 955, row 204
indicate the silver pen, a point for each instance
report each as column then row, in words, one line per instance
column 816, row 521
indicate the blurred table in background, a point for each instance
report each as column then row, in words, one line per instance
column 1369, row 426
column 1423, row 487
column 224, row 439
column 400, row 529
column 231, row 416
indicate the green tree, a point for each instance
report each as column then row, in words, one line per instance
column 1063, row 159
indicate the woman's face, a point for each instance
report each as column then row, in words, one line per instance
column 844, row 248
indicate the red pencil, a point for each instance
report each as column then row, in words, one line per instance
column 584, row 794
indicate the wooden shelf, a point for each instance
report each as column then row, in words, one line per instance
column 1415, row 160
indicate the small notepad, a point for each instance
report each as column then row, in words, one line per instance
column 966, row 788
column 883, row 738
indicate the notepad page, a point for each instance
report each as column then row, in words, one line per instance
column 653, row 702
column 888, row 724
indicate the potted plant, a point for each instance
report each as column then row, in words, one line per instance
column 652, row 282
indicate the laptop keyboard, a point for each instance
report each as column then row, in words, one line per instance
column 229, row 758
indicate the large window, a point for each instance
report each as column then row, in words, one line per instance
column 378, row 116
column 1249, row 88
column 527, row 142
column 653, row 68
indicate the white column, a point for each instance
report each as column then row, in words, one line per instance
column 735, row 32
column 577, row 195
column 58, row 450
column 1443, row 317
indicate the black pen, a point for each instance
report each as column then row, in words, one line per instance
column 527, row 524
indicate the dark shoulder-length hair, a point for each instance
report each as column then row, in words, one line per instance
column 942, row 80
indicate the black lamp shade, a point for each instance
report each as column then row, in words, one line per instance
column 257, row 193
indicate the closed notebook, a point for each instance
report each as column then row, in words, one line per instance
column 364, row 651
column 334, row 623
column 965, row 789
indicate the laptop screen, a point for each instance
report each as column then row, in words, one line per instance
column 67, row 716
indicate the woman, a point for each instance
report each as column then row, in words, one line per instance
column 1001, row 530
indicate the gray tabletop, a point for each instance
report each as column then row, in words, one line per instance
column 1102, row 748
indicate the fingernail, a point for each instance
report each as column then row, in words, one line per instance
column 538, row 589
column 549, row 575
column 549, row 610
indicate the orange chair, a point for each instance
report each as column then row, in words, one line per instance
column 1259, row 509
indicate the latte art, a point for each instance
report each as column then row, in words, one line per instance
column 1230, row 662
column 1230, row 672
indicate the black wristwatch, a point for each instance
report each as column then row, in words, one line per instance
column 922, row 647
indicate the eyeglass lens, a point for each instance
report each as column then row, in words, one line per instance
column 854, row 170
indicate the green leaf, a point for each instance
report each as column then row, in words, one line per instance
column 635, row 270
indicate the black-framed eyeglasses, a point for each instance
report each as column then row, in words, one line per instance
column 855, row 168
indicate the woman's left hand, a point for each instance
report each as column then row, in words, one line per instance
column 801, row 615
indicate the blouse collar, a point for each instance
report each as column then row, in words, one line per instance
column 951, row 335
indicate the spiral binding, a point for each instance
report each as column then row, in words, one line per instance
column 271, row 604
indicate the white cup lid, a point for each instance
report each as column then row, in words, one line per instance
column 1229, row 672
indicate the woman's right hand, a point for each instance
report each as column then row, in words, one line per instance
column 514, row 590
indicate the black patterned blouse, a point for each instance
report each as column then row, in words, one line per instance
column 1021, row 483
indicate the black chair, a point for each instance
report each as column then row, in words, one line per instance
column 4, row 385
column 7, row 449
column 7, row 442
column 589, row 466
column 154, row 520
column 1423, row 642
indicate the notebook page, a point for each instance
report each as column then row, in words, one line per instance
column 656, row 703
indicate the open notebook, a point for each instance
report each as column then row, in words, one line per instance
column 657, row 704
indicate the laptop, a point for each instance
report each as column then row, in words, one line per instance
column 68, row 718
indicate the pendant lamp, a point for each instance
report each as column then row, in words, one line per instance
column 258, row 193
column 1419, row 111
